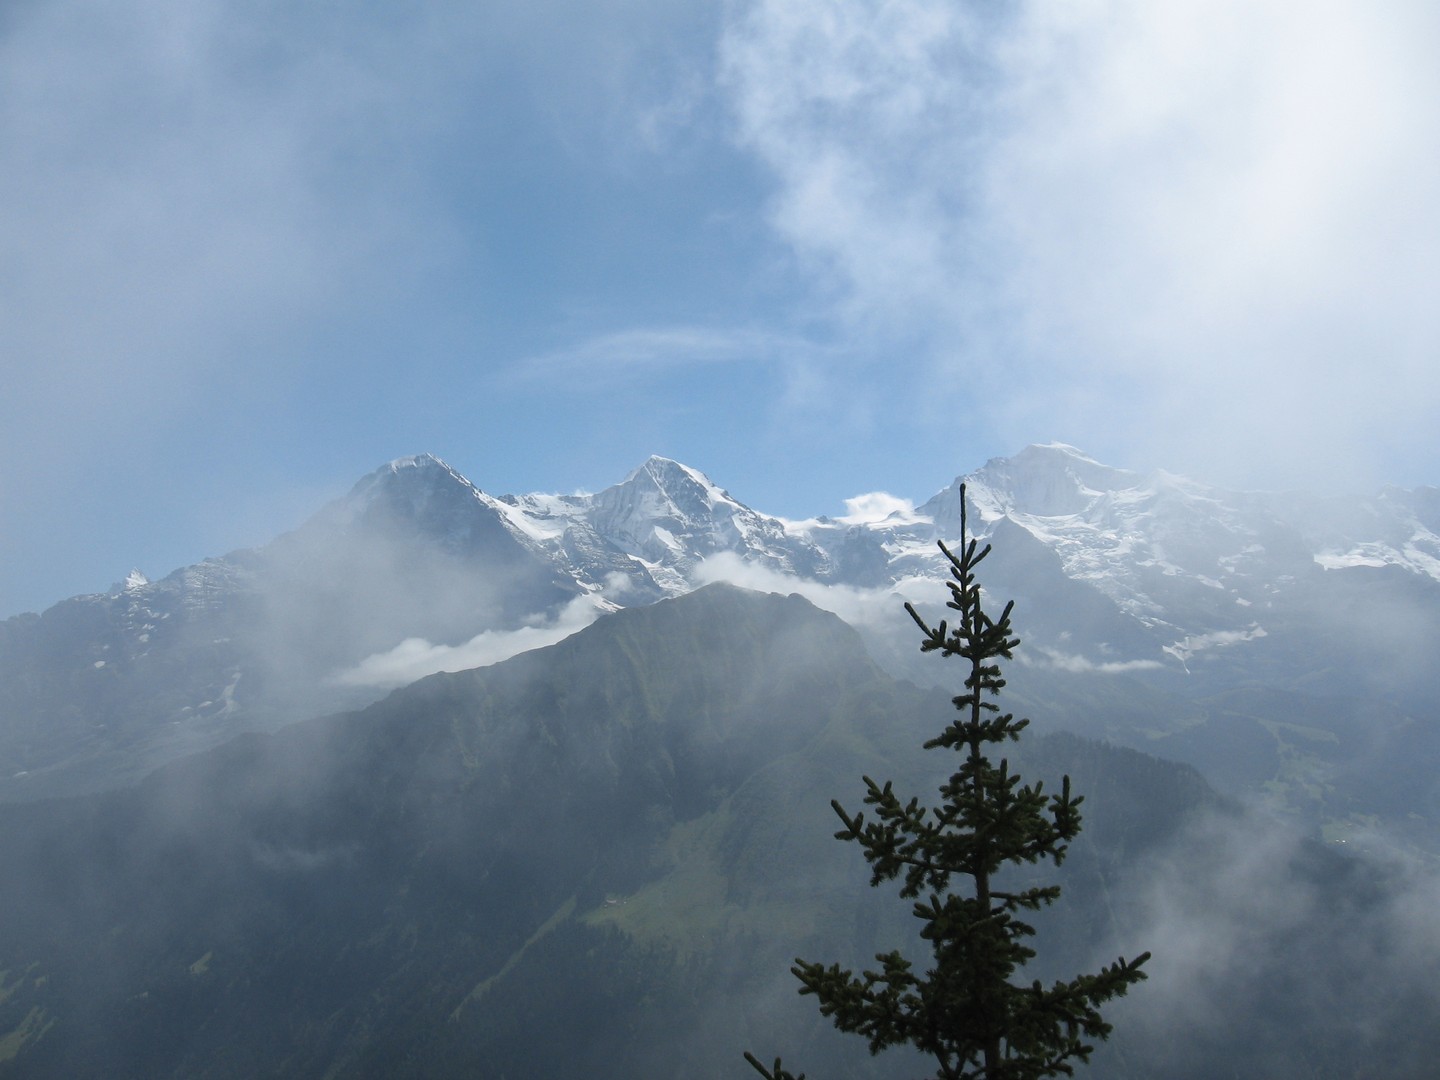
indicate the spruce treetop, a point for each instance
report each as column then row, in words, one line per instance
column 967, row 1010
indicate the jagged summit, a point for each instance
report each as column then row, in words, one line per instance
column 670, row 517
column 665, row 470
column 415, row 461
column 1046, row 480
column 129, row 583
column 424, row 494
column 416, row 472
column 688, row 489
column 665, row 491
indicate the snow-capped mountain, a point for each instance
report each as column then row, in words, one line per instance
column 1114, row 570
column 1178, row 556
column 1192, row 565
column 1140, row 538
column 654, row 528
column 1174, row 554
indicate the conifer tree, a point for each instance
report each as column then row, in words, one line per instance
column 964, row 1010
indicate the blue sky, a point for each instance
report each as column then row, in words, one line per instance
column 249, row 252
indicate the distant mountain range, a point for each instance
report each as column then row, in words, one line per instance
column 592, row 843
column 1182, row 591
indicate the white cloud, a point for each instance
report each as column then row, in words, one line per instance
column 857, row 606
column 1073, row 662
column 1212, row 228
column 877, row 506
column 1189, row 645
column 415, row 658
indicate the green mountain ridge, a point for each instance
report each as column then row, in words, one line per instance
column 597, row 859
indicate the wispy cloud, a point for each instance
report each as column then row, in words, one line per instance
column 415, row 658
column 1073, row 662
column 1188, row 646
column 1240, row 905
column 643, row 351
column 860, row 607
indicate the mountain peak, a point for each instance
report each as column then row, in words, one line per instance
column 420, row 475
column 1054, row 451
column 421, row 465
column 422, row 495
column 416, row 461
column 671, row 489
column 1048, row 480
column 666, row 473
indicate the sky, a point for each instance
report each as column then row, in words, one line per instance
column 251, row 251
